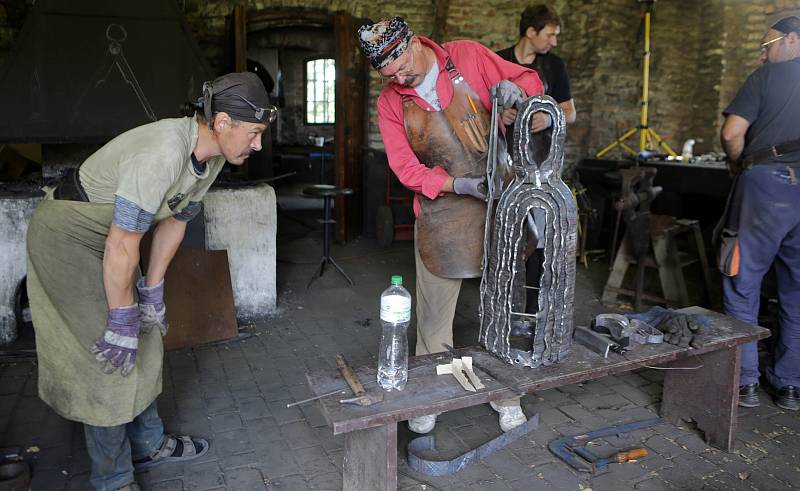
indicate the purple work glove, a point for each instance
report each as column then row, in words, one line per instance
column 117, row 348
column 152, row 311
column 472, row 186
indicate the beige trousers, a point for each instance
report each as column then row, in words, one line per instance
column 436, row 308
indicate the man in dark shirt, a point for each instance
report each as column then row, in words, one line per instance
column 538, row 34
column 539, row 27
column 761, row 136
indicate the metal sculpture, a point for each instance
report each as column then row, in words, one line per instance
column 536, row 183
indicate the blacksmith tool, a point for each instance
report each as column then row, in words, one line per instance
column 431, row 467
column 637, row 194
column 567, row 447
column 592, row 340
column 511, row 384
column 616, row 326
column 599, row 463
column 343, row 390
column 362, row 398
column 311, row 399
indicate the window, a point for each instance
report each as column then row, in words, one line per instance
column 320, row 90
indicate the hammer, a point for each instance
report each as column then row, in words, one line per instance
column 361, row 397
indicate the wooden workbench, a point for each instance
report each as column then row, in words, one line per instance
column 707, row 394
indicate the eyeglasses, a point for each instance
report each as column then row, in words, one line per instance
column 405, row 70
column 765, row 45
column 271, row 112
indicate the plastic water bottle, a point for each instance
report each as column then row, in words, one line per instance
column 395, row 317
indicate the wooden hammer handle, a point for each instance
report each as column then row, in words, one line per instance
column 632, row 454
column 350, row 376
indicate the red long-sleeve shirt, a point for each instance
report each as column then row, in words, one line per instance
column 481, row 68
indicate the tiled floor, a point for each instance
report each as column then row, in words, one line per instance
column 235, row 394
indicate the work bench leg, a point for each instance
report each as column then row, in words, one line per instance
column 708, row 395
column 370, row 459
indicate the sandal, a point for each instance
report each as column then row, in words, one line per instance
column 174, row 449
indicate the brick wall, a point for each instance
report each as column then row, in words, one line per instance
column 702, row 50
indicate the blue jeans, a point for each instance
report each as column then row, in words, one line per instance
column 113, row 449
column 769, row 232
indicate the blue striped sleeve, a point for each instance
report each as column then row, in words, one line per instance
column 129, row 216
column 189, row 212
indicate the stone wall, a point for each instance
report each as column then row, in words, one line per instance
column 702, row 50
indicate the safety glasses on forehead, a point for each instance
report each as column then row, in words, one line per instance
column 271, row 112
column 765, row 45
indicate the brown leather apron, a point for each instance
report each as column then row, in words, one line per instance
column 450, row 227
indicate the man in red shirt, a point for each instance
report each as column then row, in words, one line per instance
column 434, row 117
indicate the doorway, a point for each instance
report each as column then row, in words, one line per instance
column 319, row 86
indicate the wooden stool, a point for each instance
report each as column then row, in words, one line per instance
column 665, row 256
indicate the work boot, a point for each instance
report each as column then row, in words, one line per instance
column 748, row 395
column 788, row 398
column 510, row 416
column 422, row 424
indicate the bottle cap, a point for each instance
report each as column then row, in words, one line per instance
column 397, row 280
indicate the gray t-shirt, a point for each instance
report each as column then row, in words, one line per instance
column 770, row 101
column 151, row 167
column 427, row 89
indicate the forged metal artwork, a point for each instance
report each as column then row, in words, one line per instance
column 536, row 184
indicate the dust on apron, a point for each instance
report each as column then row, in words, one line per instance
column 450, row 227
column 66, row 241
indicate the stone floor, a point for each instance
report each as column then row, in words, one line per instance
column 235, row 394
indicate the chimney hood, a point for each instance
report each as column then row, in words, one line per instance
column 84, row 71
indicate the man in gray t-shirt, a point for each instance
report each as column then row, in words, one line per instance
column 98, row 329
column 764, row 115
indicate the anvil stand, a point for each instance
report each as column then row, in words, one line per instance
column 327, row 193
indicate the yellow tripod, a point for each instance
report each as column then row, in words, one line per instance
column 648, row 138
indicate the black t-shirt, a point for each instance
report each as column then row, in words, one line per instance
column 770, row 101
column 551, row 69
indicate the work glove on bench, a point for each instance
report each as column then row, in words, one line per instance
column 678, row 328
column 152, row 311
column 120, row 341
column 472, row 186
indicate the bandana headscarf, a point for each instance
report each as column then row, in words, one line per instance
column 384, row 41
column 241, row 95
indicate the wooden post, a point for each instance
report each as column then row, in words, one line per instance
column 351, row 110
column 370, row 459
column 239, row 38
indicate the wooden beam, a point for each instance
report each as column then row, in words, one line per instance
column 350, row 131
column 440, row 19
column 239, row 38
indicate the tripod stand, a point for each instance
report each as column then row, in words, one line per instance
column 648, row 138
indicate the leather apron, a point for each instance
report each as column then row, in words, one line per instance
column 450, row 227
